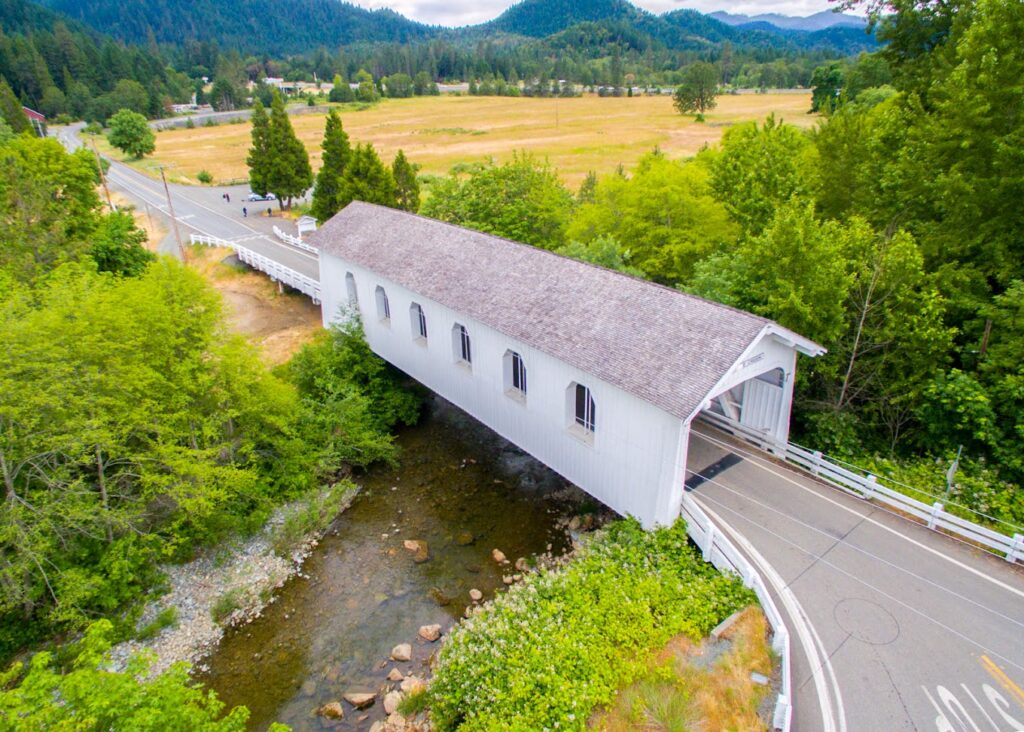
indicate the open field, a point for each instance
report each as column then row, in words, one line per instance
column 576, row 135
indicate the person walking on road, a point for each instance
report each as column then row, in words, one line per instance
column 227, row 197
column 245, row 212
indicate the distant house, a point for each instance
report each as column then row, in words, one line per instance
column 596, row 374
column 37, row 120
column 306, row 225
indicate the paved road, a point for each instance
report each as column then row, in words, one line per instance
column 202, row 210
column 894, row 627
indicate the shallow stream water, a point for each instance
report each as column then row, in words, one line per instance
column 461, row 489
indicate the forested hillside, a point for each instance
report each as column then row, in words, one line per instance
column 300, row 26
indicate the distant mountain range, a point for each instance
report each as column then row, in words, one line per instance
column 818, row 21
column 281, row 27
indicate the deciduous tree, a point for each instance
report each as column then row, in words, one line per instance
column 407, row 187
column 130, row 133
column 697, row 88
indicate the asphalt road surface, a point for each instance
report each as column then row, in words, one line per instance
column 893, row 626
column 203, row 210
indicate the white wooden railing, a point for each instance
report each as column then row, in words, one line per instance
column 720, row 552
column 278, row 272
column 871, row 488
column 295, row 241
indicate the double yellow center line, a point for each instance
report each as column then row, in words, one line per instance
column 1005, row 681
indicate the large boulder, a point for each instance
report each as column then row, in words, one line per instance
column 331, row 710
column 430, row 632
column 402, row 652
column 360, row 699
column 391, row 701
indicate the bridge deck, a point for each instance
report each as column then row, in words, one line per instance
column 913, row 627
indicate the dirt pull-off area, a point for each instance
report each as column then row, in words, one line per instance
column 278, row 323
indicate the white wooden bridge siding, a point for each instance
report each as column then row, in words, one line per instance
column 636, row 463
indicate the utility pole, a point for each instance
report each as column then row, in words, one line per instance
column 174, row 220
column 103, row 177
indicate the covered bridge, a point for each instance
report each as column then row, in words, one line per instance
column 596, row 374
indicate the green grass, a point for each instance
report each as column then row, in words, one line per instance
column 311, row 515
column 165, row 619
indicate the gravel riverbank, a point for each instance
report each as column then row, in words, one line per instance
column 225, row 586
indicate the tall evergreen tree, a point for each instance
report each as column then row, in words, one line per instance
column 10, row 108
column 336, row 155
column 259, row 154
column 288, row 172
column 407, row 188
column 367, row 179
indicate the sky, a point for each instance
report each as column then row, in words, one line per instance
column 468, row 12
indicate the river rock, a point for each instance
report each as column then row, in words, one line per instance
column 391, row 700
column 395, row 722
column 521, row 564
column 412, row 684
column 419, row 549
column 499, row 556
column 377, row 726
column 476, row 595
column 430, row 632
column 464, row 538
column 331, row 710
column 308, row 687
column 360, row 699
column 574, row 523
column 395, row 675
column 402, row 652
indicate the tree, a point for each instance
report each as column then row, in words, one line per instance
column 130, row 133
column 521, row 199
column 258, row 159
column 366, row 179
column 336, row 153
column 117, row 246
column 407, row 187
column 697, row 88
column 367, row 91
column 398, row 85
column 289, row 174
column 603, row 251
column 795, row 272
column 95, row 698
column 760, row 169
column 666, row 212
column 423, row 85
column 224, row 96
column 11, row 110
column 826, row 85
column 340, row 91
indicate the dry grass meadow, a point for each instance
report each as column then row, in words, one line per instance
column 576, row 135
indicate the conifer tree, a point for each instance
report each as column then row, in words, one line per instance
column 259, row 153
column 336, row 154
column 367, row 179
column 288, row 172
column 407, row 188
column 10, row 109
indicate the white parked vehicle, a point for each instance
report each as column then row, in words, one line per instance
column 257, row 197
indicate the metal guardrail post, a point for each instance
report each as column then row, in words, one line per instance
column 817, row 462
column 1016, row 549
column 934, row 515
column 869, row 491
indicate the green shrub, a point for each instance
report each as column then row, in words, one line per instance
column 226, row 604
column 547, row 652
column 311, row 515
column 165, row 619
column 205, row 177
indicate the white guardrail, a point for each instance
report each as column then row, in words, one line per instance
column 278, row 272
column 868, row 487
column 720, row 552
column 294, row 241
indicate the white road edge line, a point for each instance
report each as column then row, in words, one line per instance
column 124, row 168
column 802, row 624
column 756, row 461
column 864, row 552
column 832, row 565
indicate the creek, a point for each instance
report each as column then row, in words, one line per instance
column 458, row 487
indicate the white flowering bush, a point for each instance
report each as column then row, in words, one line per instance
column 543, row 655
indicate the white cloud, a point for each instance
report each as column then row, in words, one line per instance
column 469, row 12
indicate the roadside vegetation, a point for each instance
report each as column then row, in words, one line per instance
column 545, row 654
